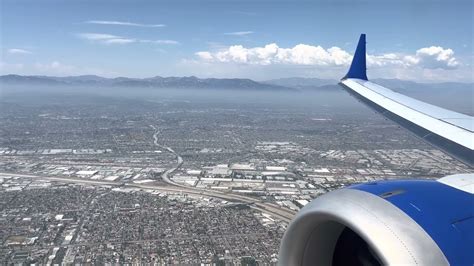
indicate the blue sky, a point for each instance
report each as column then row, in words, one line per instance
column 416, row 40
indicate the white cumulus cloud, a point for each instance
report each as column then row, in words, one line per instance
column 301, row 54
column 310, row 55
column 18, row 51
column 436, row 57
column 429, row 64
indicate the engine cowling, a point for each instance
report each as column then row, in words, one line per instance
column 380, row 223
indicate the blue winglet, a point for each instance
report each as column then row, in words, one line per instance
column 358, row 69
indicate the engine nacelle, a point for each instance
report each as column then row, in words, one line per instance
column 393, row 222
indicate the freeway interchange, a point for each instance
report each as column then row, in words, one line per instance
column 269, row 208
column 272, row 209
column 266, row 207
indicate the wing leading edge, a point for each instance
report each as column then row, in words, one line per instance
column 449, row 131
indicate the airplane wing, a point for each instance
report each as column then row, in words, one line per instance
column 398, row 222
column 449, row 131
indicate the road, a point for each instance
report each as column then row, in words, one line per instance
column 266, row 207
column 179, row 159
column 255, row 203
column 274, row 210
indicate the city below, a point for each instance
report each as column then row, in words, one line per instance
column 183, row 177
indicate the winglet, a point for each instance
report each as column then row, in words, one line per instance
column 358, row 69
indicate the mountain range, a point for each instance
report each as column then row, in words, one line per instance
column 283, row 84
column 154, row 82
column 301, row 83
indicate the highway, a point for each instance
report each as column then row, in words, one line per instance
column 269, row 208
column 266, row 207
column 282, row 213
column 165, row 175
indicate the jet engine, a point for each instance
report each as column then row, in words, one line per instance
column 411, row 222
